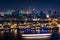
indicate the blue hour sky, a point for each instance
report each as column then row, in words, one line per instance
column 25, row 4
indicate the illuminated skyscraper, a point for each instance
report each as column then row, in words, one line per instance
column 49, row 12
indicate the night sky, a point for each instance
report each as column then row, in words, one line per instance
column 26, row 4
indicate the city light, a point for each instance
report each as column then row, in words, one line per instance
column 29, row 20
column 47, row 16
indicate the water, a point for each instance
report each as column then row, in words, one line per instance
column 14, row 35
column 9, row 35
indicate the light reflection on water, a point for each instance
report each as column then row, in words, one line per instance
column 14, row 32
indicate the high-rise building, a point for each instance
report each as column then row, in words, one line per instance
column 42, row 14
column 49, row 12
column 9, row 11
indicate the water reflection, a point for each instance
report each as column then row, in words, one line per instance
column 14, row 31
column 12, row 34
column 9, row 35
column 55, row 34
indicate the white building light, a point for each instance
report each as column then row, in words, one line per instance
column 47, row 16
